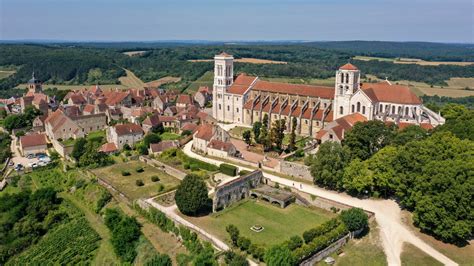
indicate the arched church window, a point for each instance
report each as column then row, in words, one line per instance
column 363, row 110
column 399, row 109
column 393, row 109
column 341, row 110
column 347, row 77
column 380, row 108
column 406, row 110
column 341, row 90
column 342, row 77
column 353, row 108
column 358, row 106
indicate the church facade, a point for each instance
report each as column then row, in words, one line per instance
column 247, row 99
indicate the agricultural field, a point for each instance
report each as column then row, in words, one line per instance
column 411, row 255
column 412, row 61
column 71, row 243
column 157, row 83
column 131, row 81
column 244, row 60
column 6, row 73
column 76, row 87
column 456, row 87
column 463, row 255
column 205, row 80
column 279, row 224
column 134, row 53
column 127, row 184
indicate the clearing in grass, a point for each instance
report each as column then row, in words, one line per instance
column 128, row 185
column 279, row 224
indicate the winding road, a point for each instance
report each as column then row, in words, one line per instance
column 387, row 213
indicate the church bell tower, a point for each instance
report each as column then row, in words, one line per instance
column 347, row 83
column 223, row 79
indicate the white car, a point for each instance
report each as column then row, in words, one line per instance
column 45, row 159
column 42, row 163
column 32, row 165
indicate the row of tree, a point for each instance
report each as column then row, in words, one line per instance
column 430, row 173
column 271, row 137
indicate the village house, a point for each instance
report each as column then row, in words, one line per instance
column 108, row 148
column 151, row 122
column 335, row 130
column 157, row 148
column 33, row 144
column 203, row 96
column 58, row 125
column 184, row 101
column 213, row 140
column 124, row 134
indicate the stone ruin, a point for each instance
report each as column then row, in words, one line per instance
column 235, row 190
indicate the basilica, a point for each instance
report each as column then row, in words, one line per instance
column 246, row 99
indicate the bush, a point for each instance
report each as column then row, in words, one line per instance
column 155, row 178
column 186, row 166
column 194, row 167
column 159, row 260
column 279, row 255
column 309, row 235
column 243, row 243
column 139, row 169
column 228, row 169
column 294, row 242
column 139, row 183
column 244, row 172
column 161, row 187
column 125, row 173
column 355, row 219
column 233, row 233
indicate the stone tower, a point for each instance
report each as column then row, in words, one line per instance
column 223, row 79
column 347, row 83
column 34, row 85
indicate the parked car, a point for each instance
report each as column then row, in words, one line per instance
column 30, row 156
column 42, row 163
column 18, row 167
column 32, row 165
column 45, row 159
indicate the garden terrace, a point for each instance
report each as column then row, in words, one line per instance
column 280, row 224
column 128, row 184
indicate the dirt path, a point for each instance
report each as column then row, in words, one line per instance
column 387, row 213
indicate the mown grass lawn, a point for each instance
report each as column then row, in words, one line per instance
column 170, row 136
column 127, row 185
column 279, row 224
column 412, row 255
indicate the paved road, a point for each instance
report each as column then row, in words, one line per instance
column 387, row 213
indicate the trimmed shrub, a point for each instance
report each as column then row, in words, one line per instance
column 355, row 219
column 125, row 173
column 161, row 187
column 228, row 169
column 194, row 167
column 155, row 178
column 139, row 183
column 139, row 169
column 234, row 233
column 310, row 234
column 243, row 243
column 244, row 172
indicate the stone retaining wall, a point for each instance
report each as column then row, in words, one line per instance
column 295, row 169
column 325, row 252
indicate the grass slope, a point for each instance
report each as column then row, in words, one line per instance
column 412, row 255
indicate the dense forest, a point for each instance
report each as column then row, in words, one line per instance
column 95, row 64
column 427, row 172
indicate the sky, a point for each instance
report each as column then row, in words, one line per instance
column 249, row 20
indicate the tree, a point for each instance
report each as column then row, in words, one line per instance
column 247, row 137
column 367, row 138
column 79, row 148
column 453, row 111
column 233, row 259
column 292, row 144
column 151, row 138
column 256, row 131
column 277, row 133
column 294, row 242
column 460, row 124
column 354, row 219
column 279, row 255
column 234, row 233
column 159, row 260
column 327, row 165
column 192, row 196
column 408, row 134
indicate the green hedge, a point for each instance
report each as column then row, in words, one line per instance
column 228, row 169
column 311, row 234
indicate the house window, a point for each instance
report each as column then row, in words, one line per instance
column 330, row 136
column 305, row 122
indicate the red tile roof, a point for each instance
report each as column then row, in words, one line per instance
column 241, row 84
column 205, row 131
column 164, row 145
column 125, row 129
column 78, row 99
column 89, row 109
column 152, row 120
column 108, row 147
column 184, row 99
column 33, row 140
column 189, row 126
column 295, row 89
column 348, row 66
column 386, row 92
column 220, row 145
